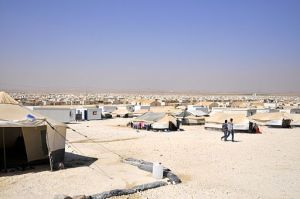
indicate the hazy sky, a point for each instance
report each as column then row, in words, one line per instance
column 215, row 46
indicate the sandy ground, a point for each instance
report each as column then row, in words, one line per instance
column 256, row 166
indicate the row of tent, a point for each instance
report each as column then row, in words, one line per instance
column 168, row 121
column 244, row 123
column 27, row 136
column 162, row 121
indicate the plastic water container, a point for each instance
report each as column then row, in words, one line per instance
column 158, row 170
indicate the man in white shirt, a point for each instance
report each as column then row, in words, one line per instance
column 230, row 129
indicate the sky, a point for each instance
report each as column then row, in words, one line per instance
column 205, row 46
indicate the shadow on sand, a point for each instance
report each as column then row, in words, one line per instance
column 74, row 160
column 71, row 161
column 232, row 141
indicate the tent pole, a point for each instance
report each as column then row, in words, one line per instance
column 4, row 152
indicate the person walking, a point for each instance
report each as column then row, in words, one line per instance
column 225, row 130
column 230, row 130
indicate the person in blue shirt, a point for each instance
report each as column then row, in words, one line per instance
column 225, row 130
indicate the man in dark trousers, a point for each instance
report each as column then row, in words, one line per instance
column 230, row 130
column 225, row 130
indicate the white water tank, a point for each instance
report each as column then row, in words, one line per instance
column 158, row 170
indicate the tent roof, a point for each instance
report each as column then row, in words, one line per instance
column 270, row 116
column 220, row 117
column 150, row 117
column 193, row 113
column 6, row 99
column 198, row 112
column 14, row 115
column 11, row 113
column 168, row 118
column 141, row 111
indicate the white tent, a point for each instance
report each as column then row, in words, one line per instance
column 158, row 121
column 167, row 122
column 41, row 137
column 240, row 121
column 192, row 117
column 295, row 120
column 276, row 119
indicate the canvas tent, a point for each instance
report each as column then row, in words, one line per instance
column 168, row 122
column 192, row 117
column 158, row 121
column 295, row 120
column 26, row 136
column 275, row 119
column 193, row 120
column 240, row 121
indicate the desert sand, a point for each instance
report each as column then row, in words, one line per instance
column 263, row 165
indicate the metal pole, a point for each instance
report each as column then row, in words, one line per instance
column 4, row 152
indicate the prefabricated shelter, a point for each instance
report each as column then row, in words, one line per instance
column 88, row 113
column 276, row 119
column 94, row 113
column 27, row 137
column 81, row 114
column 240, row 121
column 61, row 114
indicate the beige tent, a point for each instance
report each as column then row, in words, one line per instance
column 240, row 121
column 193, row 120
column 295, row 119
column 6, row 99
column 29, row 136
column 167, row 122
column 275, row 119
column 158, row 121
